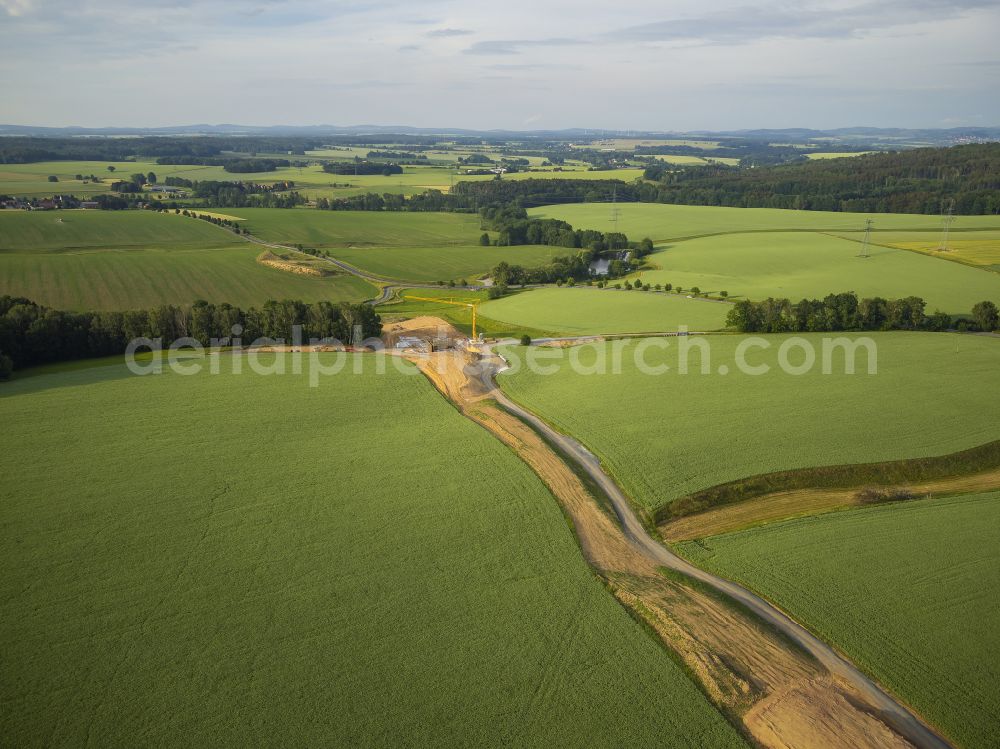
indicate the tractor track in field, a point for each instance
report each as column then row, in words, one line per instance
column 780, row 684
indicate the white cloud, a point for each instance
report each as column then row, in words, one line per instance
column 638, row 64
column 16, row 7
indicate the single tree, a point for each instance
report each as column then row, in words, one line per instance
column 526, row 340
column 53, row 178
column 986, row 316
column 484, row 240
column 110, row 168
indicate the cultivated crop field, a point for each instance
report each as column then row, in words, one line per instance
column 909, row 591
column 663, row 223
column 973, row 247
column 665, row 436
column 425, row 247
column 31, row 180
column 111, row 260
column 74, row 231
column 583, row 311
column 328, row 229
column 757, row 252
column 797, row 265
column 171, row 574
column 443, row 263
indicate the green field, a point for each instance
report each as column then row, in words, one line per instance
column 461, row 317
column 909, row 591
column 835, row 154
column 973, row 247
column 663, row 223
column 130, row 259
column 663, row 437
column 758, row 252
column 76, row 231
column 225, row 560
column 329, row 229
column 131, row 280
column 431, row 264
column 409, row 246
column 797, row 265
column 582, row 311
column 31, row 180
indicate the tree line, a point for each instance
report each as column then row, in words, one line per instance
column 471, row 196
column 359, row 167
column 32, row 334
column 575, row 267
column 529, row 193
column 845, row 312
column 560, row 269
column 30, row 149
column 229, row 164
column 515, row 227
column 922, row 180
column 218, row 194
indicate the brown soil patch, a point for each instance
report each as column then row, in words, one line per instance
column 271, row 260
column 779, row 695
column 787, row 720
column 425, row 327
column 574, row 342
column 801, row 502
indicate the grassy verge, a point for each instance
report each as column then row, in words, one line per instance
column 961, row 463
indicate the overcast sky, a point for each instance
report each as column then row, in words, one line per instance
column 518, row 64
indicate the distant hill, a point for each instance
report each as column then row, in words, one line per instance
column 870, row 137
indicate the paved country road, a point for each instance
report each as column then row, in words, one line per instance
column 895, row 715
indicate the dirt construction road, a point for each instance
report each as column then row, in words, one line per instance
column 876, row 702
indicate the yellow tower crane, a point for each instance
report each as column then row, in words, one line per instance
column 457, row 303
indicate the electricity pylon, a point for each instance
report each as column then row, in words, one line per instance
column 866, row 244
column 946, row 221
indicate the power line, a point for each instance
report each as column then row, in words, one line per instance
column 947, row 219
column 866, row 244
column 615, row 210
